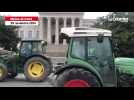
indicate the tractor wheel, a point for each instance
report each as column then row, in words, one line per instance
column 77, row 77
column 124, row 80
column 3, row 72
column 37, row 69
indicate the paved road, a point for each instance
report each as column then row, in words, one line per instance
column 20, row 80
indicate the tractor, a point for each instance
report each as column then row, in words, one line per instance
column 125, row 66
column 30, row 60
column 89, row 59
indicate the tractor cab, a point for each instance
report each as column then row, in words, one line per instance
column 32, row 47
column 89, row 51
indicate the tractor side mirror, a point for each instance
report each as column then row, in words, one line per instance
column 18, row 46
column 44, row 43
column 64, row 36
column 115, row 44
column 115, row 47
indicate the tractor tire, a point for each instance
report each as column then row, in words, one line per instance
column 3, row 72
column 125, row 80
column 76, row 77
column 37, row 69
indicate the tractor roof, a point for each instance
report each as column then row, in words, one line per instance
column 83, row 31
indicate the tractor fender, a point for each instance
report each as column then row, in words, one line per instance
column 42, row 56
column 70, row 66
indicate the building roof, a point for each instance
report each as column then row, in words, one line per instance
column 62, row 14
column 83, row 31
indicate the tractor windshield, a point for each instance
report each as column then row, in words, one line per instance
column 28, row 48
column 98, row 49
column 37, row 47
column 25, row 48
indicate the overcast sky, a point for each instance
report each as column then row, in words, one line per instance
column 87, row 15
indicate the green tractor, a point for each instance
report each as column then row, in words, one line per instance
column 30, row 59
column 89, row 60
column 126, row 71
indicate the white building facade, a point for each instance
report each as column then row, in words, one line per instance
column 27, row 32
column 52, row 22
column 50, row 25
